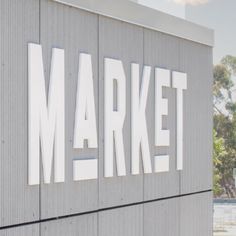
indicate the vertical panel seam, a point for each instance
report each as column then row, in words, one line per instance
column 98, row 125
column 143, row 172
column 180, row 185
column 40, row 215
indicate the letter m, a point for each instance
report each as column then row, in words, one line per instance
column 45, row 119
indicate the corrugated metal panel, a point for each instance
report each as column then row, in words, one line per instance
column 75, row 31
column 126, row 221
column 196, row 61
column 196, row 215
column 147, row 17
column 85, row 225
column 184, row 216
column 162, row 218
column 19, row 24
column 161, row 50
column 29, row 230
column 116, row 38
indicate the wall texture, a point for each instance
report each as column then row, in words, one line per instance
column 176, row 203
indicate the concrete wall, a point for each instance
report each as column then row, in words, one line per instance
column 176, row 203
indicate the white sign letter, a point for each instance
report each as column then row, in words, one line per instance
column 179, row 81
column 114, row 119
column 162, row 78
column 138, row 122
column 85, row 120
column 46, row 121
column 85, row 117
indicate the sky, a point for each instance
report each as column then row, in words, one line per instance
column 167, row 6
column 173, row 7
column 219, row 15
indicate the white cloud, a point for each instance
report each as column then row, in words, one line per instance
column 191, row 2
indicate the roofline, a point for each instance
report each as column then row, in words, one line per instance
column 140, row 15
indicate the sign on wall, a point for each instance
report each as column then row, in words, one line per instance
column 46, row 117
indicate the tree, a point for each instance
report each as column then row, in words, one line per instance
column 218, row 153
column 225, row 127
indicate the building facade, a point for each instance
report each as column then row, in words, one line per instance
column 146, row 81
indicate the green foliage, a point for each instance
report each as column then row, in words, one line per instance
column 222, row 82
column 230, row 63
column 224, row 136
column 218, row 154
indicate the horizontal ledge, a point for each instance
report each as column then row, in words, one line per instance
column 137, row 14
column 102, row 209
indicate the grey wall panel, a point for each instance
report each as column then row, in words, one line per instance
column 162, row 218
column 196, row 61
column 116, row 38
column 148, row 17
column 126, row 221
column 84, row 225
column 75, row 31
column 28, row 230
column 183, row 216
column 19, row 24
column 161, row 50
column 196, row 215
column 56, row 25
